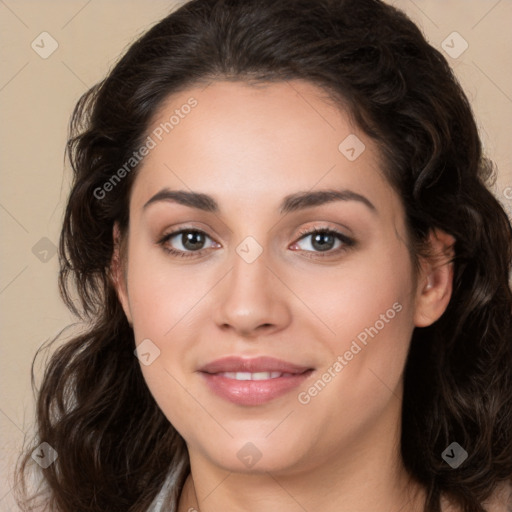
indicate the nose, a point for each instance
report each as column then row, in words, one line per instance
column 252, row 300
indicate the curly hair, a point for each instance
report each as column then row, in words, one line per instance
column 115, row 445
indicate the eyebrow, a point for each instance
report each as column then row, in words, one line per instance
column 291, row 203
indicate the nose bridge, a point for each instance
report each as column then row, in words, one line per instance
column 249, row 297
column 250, row 266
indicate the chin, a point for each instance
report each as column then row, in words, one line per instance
column 257, row 456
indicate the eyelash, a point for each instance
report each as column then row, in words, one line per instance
column 347, row 242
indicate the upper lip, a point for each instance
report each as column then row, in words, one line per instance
column 252, row 365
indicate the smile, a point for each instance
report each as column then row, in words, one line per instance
column 254, row 376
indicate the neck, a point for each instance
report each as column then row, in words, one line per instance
column 268, row 493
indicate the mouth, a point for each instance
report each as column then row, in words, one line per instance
column 254, row 376
column 254, row 381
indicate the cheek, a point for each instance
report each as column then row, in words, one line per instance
column 168, row 304
column 162, row 305
column 367, row 321
column 162, row 294
column 366, row 289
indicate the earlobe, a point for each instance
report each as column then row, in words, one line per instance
column 434, row 288
column 118, row 274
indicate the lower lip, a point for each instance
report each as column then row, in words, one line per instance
column 253, row 392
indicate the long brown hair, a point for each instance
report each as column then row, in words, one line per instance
column 115, row 447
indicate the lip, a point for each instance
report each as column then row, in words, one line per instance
column 252, row 365
column 253, row 392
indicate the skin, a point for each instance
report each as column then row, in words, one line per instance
column 249, row 147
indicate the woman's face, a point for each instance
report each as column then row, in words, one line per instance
column 333, row 310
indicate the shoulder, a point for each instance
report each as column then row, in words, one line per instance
column 499, row 501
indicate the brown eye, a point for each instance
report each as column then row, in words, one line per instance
column 324, row 240
column 192, row 240
column 185, row 242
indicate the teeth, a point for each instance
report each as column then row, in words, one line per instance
column 253, row 376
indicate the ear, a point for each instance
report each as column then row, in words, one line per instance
column 435, row 282
column 118, row 272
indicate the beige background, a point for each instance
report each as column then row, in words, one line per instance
column 36, row 99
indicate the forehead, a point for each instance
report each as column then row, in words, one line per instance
column 256, row 144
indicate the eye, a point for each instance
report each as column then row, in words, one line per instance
column 193, row 242
column 186, row 242
column 324, row 240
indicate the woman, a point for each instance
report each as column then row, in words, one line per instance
column 280, row 208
